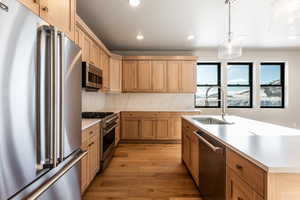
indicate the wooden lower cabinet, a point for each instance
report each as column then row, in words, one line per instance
column 90, row 164
column 237, row 189
column 162, row 129
column 148, row 129
column 84, row 169
column 190, row 150
column 160, row 126
column 130, row 129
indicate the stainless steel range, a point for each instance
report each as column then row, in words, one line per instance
column 108, row 124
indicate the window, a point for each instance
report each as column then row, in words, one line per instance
column 272, row 85
column 239, row 85
column 208, row 83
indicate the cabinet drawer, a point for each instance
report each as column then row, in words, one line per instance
column 139, row 114
column 237, row 189
column 247, row 171
column 90, row 132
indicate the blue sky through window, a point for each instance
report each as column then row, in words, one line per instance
column 207, row 75
column 270, row 74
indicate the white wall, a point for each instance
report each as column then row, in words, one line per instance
column 288, row 116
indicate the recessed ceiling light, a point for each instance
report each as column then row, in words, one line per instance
column 139, row 37
column 190, row 37
column 134, row 3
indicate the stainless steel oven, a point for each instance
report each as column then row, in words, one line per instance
column 108, row 134
column 91, row 77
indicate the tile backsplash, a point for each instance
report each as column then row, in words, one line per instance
column 99, row 101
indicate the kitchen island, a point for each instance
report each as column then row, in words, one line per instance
column 262, row 159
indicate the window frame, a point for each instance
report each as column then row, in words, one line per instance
column 250, row 64
column 218, row 64
column 282, row 83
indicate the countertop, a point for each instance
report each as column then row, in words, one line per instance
column 274, row 148
column 117, row 110
column 87, row 123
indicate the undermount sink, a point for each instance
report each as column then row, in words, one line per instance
column 211, row 121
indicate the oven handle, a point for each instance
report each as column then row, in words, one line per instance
column 107, row 131
column 215, row 149
column 112, row 119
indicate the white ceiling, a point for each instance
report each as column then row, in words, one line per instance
column 166, row 24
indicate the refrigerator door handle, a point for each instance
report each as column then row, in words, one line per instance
column 47, row 184
column 61, row 94
column 46, row 98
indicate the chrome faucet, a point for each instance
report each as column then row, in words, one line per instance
column 222, row 100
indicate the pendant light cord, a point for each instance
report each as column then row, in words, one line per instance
column 229, row 20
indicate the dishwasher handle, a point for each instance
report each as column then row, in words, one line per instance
column 215, row 149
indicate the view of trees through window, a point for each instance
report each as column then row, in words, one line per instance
column 239, row 85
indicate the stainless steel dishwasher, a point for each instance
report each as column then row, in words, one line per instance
column 212, row 168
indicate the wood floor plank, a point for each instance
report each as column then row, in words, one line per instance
column 144, row 172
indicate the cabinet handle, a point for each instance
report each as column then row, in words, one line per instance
column 239, row 198
column 91, row 144
column 46, row 9
column 239, row 167
column 91, row 132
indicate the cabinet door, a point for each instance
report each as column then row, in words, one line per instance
column 86, row 49
column 186, row 150
column 115, row 74
column 93, row 154
column 147, row 129
column 188, row 77
column 118, row 136
column 175, row 128
column 131, row 129
column 237, row 189
column 105, row 68
column 81, row 38
column 60, row 13
column 144, row 75
column 129, row 76
column 84, row 169
column 194, row 157
column 159, row 73
column 94, row 54
column 173, row 76
column 32, row 5
column 162, row 128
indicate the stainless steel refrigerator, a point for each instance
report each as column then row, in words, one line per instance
column 40, row 108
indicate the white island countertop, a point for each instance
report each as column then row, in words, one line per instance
column 274, row 148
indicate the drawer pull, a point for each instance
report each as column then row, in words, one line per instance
column 91, row 144
column 46, row 9
column 239, row 167
column 91, row 132
column 239, row 198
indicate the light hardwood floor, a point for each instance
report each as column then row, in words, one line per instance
column 142, row 172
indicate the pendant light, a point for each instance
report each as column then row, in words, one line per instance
column 231, row 48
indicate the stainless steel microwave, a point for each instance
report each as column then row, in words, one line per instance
column 91, row 77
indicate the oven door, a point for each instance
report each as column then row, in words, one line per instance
column 107, row 145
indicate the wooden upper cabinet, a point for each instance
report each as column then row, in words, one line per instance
column 115, row 73
column 94, row 54
column 159, row 73
column 188, row 77
column 105, row 68
column 144, row 76
column 173, row 76
column 60, row 13
column 129, row 75
column 32, row 5
column 86, row 48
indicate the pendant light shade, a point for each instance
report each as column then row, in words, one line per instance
column 231, row 48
